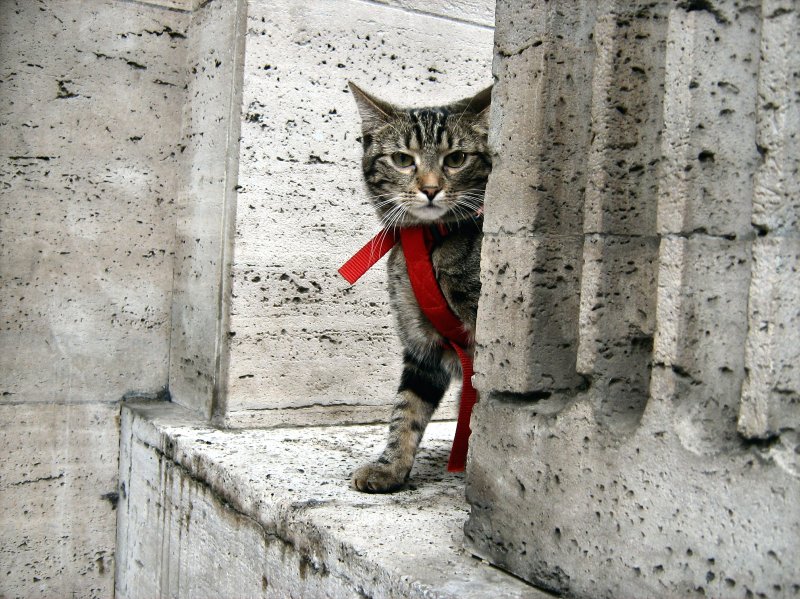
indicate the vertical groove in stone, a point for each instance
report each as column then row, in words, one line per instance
column 704, row 206
column 619, row 256
column 771, row 393
column 534, row 220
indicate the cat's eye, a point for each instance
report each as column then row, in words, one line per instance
column 455, row 159
column 402, row 160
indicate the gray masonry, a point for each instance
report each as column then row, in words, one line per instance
column 178, row 184
column 91, row 97
column 638, row 331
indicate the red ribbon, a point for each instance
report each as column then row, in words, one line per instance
column 417, row 244
column 365, row 258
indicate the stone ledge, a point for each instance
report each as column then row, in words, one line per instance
column 270, row 513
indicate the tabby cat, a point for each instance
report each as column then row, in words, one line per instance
column 425, row 166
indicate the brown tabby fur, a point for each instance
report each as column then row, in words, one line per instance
column 422, row 167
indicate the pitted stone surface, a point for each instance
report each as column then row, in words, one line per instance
column 771, row 393
column 90, row 110
column 58, row 484
column 91, row 99
column 672, row 467
column 638, row 517
column 616, row 324
column 702, row 308
column 300, row 337
column 271, row 514
column 776, row 201
column 528, row 309
column 710, row 97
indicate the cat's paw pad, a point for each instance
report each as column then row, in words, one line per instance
column 380, row 478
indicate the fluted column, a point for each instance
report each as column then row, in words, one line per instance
column 637, row 349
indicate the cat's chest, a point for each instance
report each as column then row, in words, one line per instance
column 450, row 262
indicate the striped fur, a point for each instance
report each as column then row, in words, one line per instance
column 422, row 167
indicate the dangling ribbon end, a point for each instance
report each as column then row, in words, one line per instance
column 348, row 275
column 456, row 466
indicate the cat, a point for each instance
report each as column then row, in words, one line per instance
column 425, row 166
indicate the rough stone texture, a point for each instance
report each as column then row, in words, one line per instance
column 534, row 209
column 199, row 516
column 89, row 137
column 643, row 517
column 529, row 304
column 701, row 330
column 207, row 207
column 771, row 394
column 91, row 94
column 58, row 487
column 673, row 469
column 297, row 329
column 616, row 325
column 776, row 201
column 710, row 96
column 620, row 252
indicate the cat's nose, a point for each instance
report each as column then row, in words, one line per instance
column 430, row 191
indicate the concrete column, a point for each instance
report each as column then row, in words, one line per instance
column 668, row 466
column 206, row 211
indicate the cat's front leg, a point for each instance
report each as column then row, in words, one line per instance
column 422, row 386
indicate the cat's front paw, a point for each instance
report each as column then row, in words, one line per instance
column 380, row 478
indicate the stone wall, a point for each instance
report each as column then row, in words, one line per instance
column 91, row 94
column 304, row 346
column 637, row 433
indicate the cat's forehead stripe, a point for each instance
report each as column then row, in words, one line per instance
column 429, row 126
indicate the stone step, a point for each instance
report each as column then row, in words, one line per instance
column 270, row 513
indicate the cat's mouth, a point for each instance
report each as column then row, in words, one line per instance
column 428, row 212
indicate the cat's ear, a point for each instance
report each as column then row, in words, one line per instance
column 478, row 104
column 374, row 113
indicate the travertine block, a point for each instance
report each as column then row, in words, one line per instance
column 710, row 96
column 199, row 516
column 58, row 483
column 771, row 392
column 328, row 351
column 627, row 118
column 558, row 503
column 528, row 315
column 301, row 207
column 519, row 27
column 542, row 95
column 776, row 201
column 90, row 139
column 566, row 491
